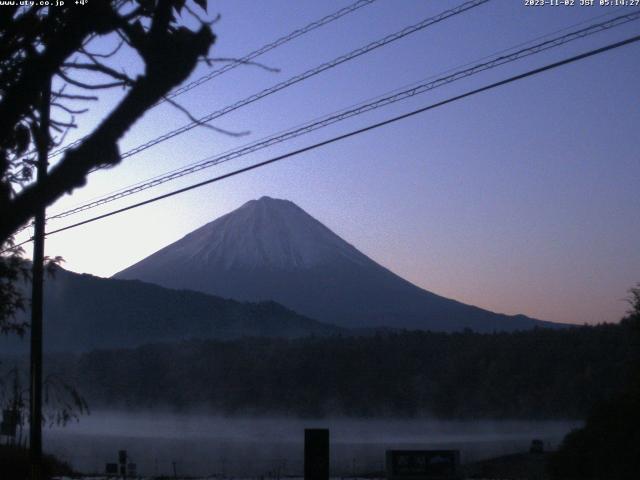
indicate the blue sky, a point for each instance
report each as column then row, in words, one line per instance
column 520, row 200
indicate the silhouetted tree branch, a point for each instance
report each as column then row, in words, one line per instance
column 38, row 44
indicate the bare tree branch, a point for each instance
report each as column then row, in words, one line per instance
column 70, row 124
column 208, row 60
column 103, row 55
column 69, row 110
column 59, row 141
column 88, row 86
column 204, row 124
column 209, row 23
column 75, row 97
column 97, row 67
column 37, row 67
column 170, row 54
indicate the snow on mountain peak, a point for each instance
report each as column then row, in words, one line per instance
column 266, row 232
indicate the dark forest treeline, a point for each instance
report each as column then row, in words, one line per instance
column 534, row 374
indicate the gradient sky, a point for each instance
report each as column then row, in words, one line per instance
column 519, row 200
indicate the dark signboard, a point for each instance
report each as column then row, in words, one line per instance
column 316, row 454
column 422, row 464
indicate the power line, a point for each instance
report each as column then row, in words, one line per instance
column 16, row 246
column 303, row 76
column 405, row 87
column 282, row 40
column 348, row 113
column 246, row 59
column 491, row 86
column 309, row 73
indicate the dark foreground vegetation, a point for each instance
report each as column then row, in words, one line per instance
column 538, row 374
column 14, row 464
column 608, row 447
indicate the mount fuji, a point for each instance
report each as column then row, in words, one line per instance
column 271, row 249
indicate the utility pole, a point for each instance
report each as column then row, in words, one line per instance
column 42, row 141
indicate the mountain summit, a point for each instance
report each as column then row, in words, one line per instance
column 265, row 233
column 271, row 249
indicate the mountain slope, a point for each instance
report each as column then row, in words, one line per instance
column 271, row 249
column 83, row 312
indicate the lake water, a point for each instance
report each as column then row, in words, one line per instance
column 201, row 444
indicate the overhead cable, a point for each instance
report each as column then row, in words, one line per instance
column 476, row 91
column 246, row 59
column 345, row 114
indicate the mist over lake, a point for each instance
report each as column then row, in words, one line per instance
column 207, row 444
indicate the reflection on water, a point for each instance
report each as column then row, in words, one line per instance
column 201, row 444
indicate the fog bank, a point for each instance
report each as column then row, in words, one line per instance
column 203, row 444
